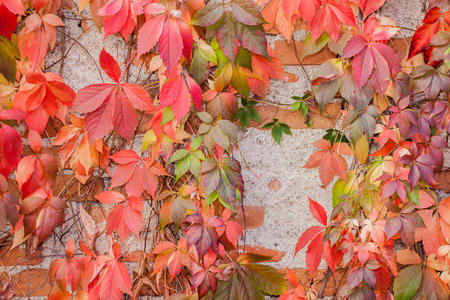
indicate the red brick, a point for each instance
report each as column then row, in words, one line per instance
column 99, row 214
column 38, row 280
column 317, row 280
column 275, row 254
column 286, row 52
column 76, row 188
column 134, row 256
column 17, row 256
column 443, row 180
column 254, row 216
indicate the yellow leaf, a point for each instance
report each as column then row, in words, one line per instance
column 362, row 149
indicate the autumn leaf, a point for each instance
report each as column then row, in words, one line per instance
column 173, row 36
column 81, row 155
column 14, row 6
column 109, row 106
column 369, row 6
column 43, row 96
column 329, row 160
column 202, row 233
column 113, row 279
column 67, row 271
column 36, row 171
column 42, row 212
column 38, row 34
column 8, row 204
column 9, row 21
column 136, row 173
column 11, row 150
column 372, row 60
column 178, row 92
column 432, row 23
column 172, row 257
column 126, row 216
column 118, row 17
column 329, row 17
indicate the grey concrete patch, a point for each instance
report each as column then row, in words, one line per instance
column 287, row 214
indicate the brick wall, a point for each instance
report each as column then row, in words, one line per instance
column 276, row 185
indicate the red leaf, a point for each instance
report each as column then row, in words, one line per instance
column 100, row 121
column 138, row 174
column 125, row 119
column 175, row 93
column 11, row 150
column 110, row 197
column 125, row 217
column 110, row 65
column 149, row 34
column 170, row 44
column 307, row 236
column 118, row 17
column 111, row 106
column 114, row 280
column 43, row 96
column 369, row 6
column 9, row 22
column 318, row 212
column 187, row 39
column 314, row 254
column 329, row 17
column 196, row 92
column 91, row 97
column 425, row 33
column 14, row 6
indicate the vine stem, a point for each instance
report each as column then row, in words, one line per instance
column 61, row 171
column 87, row 52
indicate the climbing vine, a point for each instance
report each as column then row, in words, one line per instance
column 165, row 148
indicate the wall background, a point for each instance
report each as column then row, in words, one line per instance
column 276, row 185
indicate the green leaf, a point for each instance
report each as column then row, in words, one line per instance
column 296, row 106
column 239, row 81
column 244, row 59
column 7, row 60
column 407, row 282
column 167, row 115
column 285, row 128
column 211, row 198
column 414, row 195
column 339, row 189
column 267, row 279
column 310, row 47
column 208, row 15
column 179, row 154
column 207, row 52
column 244, row 117
column 277, row 133
column 304, row 108
column 268, row 125
column 195, row 143
column 182, row 166
column 254, row 115
column 195, row 166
